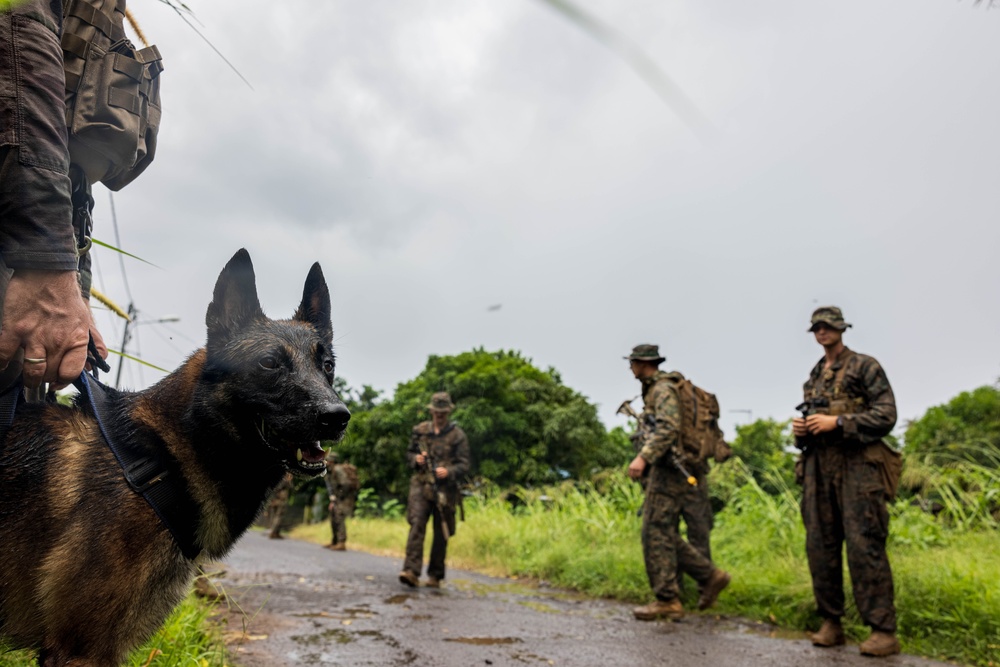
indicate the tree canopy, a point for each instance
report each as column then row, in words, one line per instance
column 524, row 425
column 966, row 428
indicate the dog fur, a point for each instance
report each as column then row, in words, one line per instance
column 89, row 572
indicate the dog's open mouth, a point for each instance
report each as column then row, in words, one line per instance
column 305, row 457
column 310, row 458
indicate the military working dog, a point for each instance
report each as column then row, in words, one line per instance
column 88, row 569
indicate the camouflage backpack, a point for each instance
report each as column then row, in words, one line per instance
column 112, row 93
column 700, row 435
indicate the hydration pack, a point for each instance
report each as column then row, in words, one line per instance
column 700, row 435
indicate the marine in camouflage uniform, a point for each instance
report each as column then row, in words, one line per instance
column 850, row 408
column 439, row 453
column 45, row 221
column 341, row 484
column 667, row 494
column 279, row 503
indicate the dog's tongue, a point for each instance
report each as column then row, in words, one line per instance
column 313, row 453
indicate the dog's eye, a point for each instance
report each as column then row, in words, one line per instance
column 328, row 366
column 268, row 362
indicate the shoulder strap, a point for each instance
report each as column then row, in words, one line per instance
column 147, row 475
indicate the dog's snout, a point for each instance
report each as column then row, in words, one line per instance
column 334, row 418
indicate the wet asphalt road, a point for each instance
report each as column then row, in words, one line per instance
column 295, row 603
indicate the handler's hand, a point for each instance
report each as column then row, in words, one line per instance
column 817, row 424
column 799, row 427
column 440, row 472
column 45, row 314
column 636, row 468
column 419, row 458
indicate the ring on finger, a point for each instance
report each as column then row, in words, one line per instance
column 32, row 360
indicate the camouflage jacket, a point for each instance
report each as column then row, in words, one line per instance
column 35, row 199
column 660, row 421
column 449, row 448
column 341, row 481
column 858, row 391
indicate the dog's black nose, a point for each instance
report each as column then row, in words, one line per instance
column 334, row 418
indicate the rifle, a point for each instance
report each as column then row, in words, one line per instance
column 810, row 406
column 648, row 425
column 440, row 497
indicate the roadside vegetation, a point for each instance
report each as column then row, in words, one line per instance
column 187, row 639
column 583, row 532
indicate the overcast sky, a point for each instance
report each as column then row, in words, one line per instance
column 440, row 157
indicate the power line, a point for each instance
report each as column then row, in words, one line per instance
column 118, row 244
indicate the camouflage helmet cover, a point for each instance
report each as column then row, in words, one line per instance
column 441, row 402
column 829, row 315
column 646, row 352
column 331, row 456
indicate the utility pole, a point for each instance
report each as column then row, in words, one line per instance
column 125, row 338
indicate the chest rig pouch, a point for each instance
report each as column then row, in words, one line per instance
column 112, row 93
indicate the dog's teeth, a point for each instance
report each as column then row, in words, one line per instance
column 298, row 455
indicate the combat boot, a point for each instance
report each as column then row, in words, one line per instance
column 408, row 578
column 433, row 582
column 671, row 609
column 880, row 644
column 339, row 546
column 710, row 590
column 831, row 633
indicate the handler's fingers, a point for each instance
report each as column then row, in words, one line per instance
column 70, row 366
column 35, row 367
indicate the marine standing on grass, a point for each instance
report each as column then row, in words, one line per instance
column 845, row 470
column 439, row 453
column 662, row 547
column 342, row 485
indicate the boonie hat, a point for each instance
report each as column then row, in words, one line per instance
column 646, row 352
column 829, row 315
column 441, row 402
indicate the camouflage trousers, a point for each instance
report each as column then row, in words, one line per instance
column 696, row 510
column 419, row 511
column 276, row 514
column 843, row 500
column 338, row 521
column 663, row 549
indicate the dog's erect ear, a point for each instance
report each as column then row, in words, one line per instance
column 315, row 306
column 234, row 303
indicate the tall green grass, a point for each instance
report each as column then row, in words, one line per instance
column 187, row 639
column 946, row 568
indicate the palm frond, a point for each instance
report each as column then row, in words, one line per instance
column 647, row 69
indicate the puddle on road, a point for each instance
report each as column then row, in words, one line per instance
column 333, row 634
column 399, row 599
column 345, row 615
column 484, row 641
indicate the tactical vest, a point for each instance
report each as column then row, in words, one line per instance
column 888, row 461
column 112, row 93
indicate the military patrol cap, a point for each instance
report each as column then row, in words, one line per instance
column 829, row 315
column 441, row 402
column 646, row 352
